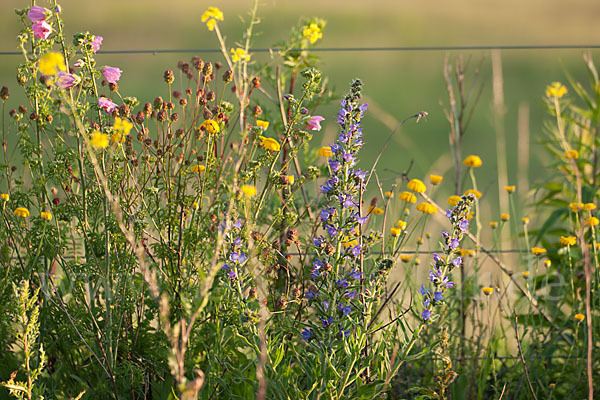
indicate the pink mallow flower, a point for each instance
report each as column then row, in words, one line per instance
column 111, row 74
column 37, row 14
column 96, row 43
column 65, row 81
column 41, row 30
column 314, row 123
column 106, row 104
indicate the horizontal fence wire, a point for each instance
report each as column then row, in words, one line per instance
column 355, row 49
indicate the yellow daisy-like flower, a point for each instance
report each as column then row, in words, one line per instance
column 435, row 179
column 262, row 124
column 571, row 154
column 472, row 161
column 453, row 200
column 579, row 317
column 99, row 140
column 312, row 32
column 487, row 290
column 350, row 243
column 239, row 54
column 417, row 261
column 195, row 205
column 504, row 217
column 405, row 257
column 388, row 194
column 474, row 192
column 416, row 186
column 494, row 224
column 197, row 169
column 420, row 240
column 547, row 263
column 568, row 240
column 556, row 89
column 325, row 151
column 509, row 189
column 408, row 197
column 210, row 126
column 291, row 179
column 5, row 196
column 122, row 128
column 51, row 63
column 395, row 231
column 46, row 215
column 538, row 251
column 588, row 207
column 466, row 252
column 21, row 212
column 525, row 220
column 427, row 208
column 211, row 16
column 525, row 274
column 401, row 224
column 248, row 190
column 269, row 143
column 591, row 221
column 575, row 207
column 376, row 210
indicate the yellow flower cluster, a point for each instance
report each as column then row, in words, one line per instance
column 262, row 124
column 239, row 54
column 493, row 224
column 408, row 197
column 325, row 151
column 538, row 251
column 22, row 212
column 509, row 189
column 5, row 196
column 474, row 192
column 579, row 317
column 51, row 63
column 427, row 208
column 269, row 143
column 99, row 140
column 571, row 154
column 248, row 190
column 312, row 32
column 210, row 126
column 197, row 169
column 375, row 210
column 405, row 257
column 46, row 215
column 568, row 240
column 122, row 128
column 591, row 221
column 556, row 89
column 504, row 217
column 472, row 161
column 395, row 231
column 211, row 16
column 416, row 186
column 435, row 179
column 487, row 290
column 453, row 200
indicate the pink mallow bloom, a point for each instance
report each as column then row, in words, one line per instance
column 65, row 81
column 96, row 43
column 314, row 123
column 106, row 105
column 41, row 30
column 37, row 14
column 111, row 74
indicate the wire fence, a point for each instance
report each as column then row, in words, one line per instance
column 356, row 49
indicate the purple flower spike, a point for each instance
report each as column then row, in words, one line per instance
column 426, row 314
column 464, row 225
column 307, row 333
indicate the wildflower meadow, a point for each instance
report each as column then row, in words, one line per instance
column 205, row 243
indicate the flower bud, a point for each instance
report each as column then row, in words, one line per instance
column 218, row 65
column 174, row 117
column 256, row 111
column 207, row 70
column 161, row 116
column 49, row 118
column 176, row 94
column 113, row 87
column 168, row 76
column 56, row 201
column 33, row 116
column 147, row 109
column 197, row 63
column 207, row 114
column 183, row 102
column 228, row 76
column 139, row 117
column 158, row 102
column 4, row 93
column 21, row 79
column 22, row 109
column 293, row 235
column 256, row 82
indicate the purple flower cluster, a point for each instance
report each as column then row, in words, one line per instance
column 333, row 272
column 235, row 257
column 443, row 265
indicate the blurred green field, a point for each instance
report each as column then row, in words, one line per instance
column 397, row 84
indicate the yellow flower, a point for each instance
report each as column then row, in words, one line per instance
column 325, row 151
column 51, row 63
column 470, row 216
column 591, row 221
column 427, row 208
column 547, row 263
column 568, row 240
column 588, row 207
column 556, row 89
column 388, row 194
column 377, row 211
column 262, row 124
column 494, row 224
column 420, row 240
column 504, row 217
column 401, row 224
column 195, row 205
column 99, row 140
column 291, row 179
column 416, row 186
column 472, row 161
column 417, row 261
column 46, row 215
column 5, row 196
column 525, row 220
column 453, row 200
column 525, row 274
column 211, row 16
column 576, row 206
column 350, row 243
column 197, row 169
column 487, row 290
column 579, row 317
column 248, row 190
column 571, row 154
column 122, row 128
column 538, row 251
column 435, row 179
column 312, row 32
column 22, row 212
column 428, row 235
column 509, row 189
column 405, row 257
column 269, row 143
column 396, row 231
column 239, row 54
column 210, row 126
column 408, row 197
column 474, row 192
column 466, row 252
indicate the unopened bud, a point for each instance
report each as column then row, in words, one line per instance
column 169, row 77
